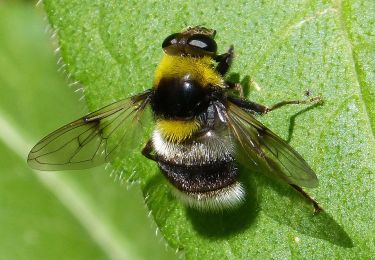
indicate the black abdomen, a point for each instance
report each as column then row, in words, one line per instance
column 200, row 178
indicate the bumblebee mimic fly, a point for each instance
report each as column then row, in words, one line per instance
column 199, row 127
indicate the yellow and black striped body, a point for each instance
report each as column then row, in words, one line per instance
column 193, row 146
column 198, row 121
column 170, row 80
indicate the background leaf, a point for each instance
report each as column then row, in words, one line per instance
column 112, row 48
column 69, row 215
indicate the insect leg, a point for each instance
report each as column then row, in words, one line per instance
column 317, row 208
column 148, row 150
column 224, row 61
column 249, row 106
column 236, row 86
column 261, row 109
column 294, row 102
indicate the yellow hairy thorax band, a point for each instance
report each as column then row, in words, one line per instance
column 199, row 68
column 177, row 131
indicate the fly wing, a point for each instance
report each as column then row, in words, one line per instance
column 260, row 144
column 90, row 140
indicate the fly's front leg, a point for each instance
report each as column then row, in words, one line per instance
column 224, row 61
column 312, row 100
column 148, row 151
column 261, row 109
column 317, row 208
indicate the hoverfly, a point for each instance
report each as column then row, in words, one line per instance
column 198, row 123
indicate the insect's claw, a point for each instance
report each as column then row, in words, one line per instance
column 316, row 100
column 317, row 209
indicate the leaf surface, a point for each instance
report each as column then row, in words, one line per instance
column 112, row 48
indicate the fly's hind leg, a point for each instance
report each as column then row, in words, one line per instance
column 317, row 208
column 148, row 151
column 224, row 61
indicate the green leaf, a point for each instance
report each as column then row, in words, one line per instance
column 68, row 215
column 112, row 48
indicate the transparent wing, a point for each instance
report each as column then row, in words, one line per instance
column 260, row 144
column 90, row 140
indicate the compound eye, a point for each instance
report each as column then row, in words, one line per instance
column 203, row 42
column 170, row 40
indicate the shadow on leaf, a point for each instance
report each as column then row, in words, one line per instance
column 224, row 223
column 245, row 82
column 276, row 199
column 214, row 225
column 292, row 120
column 286, row 206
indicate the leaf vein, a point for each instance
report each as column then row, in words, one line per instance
column 356, row 69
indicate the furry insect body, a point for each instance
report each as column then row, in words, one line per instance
column 200, row 69
column 202, row 165
column 198, row 123
column 194, row 149
column 180, row 94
